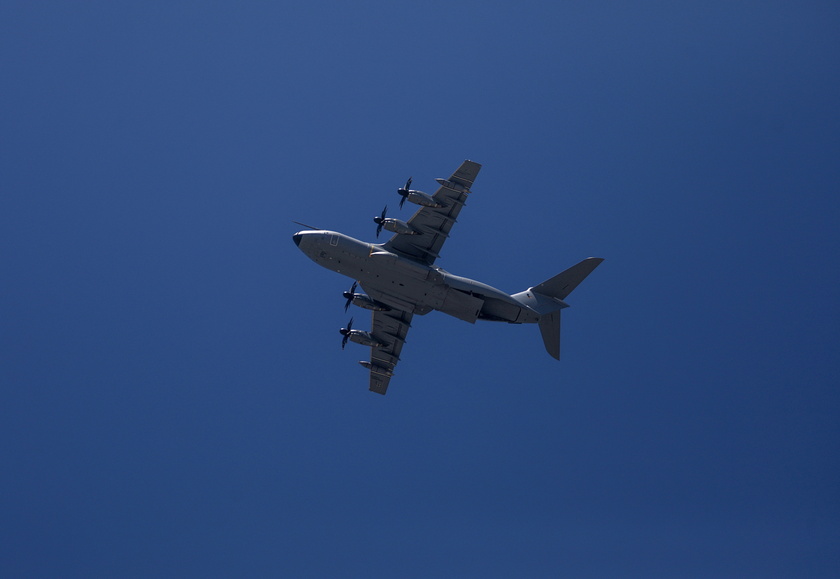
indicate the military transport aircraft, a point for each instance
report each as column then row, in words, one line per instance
column 400, row 278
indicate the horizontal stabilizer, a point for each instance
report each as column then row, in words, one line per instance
column 562, row 284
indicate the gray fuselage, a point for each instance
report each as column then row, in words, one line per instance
column 408, row 285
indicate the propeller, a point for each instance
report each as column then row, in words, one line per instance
column 350, row 295
column 346, row 333
column 404, row 192
column 380, row 220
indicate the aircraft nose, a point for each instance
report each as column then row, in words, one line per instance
column 297, row 237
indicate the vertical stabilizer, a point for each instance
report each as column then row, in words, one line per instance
column 550, row 330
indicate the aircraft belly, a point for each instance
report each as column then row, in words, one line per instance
column 414, row 298
column 411, row 287
column 403, row 285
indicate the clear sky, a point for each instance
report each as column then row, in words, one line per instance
column 174, row 400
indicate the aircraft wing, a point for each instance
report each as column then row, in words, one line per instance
column 389, row 327
column 434, row 223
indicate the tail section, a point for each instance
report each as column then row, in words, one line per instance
column 547, row 300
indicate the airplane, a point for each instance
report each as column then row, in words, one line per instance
column 400, row 278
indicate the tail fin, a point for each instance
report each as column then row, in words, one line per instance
column 550, row 330
column 557, row 288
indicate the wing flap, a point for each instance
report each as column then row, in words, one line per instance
column 391, row 328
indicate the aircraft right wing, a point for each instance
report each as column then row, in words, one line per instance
column 434, row 223
column 389, row 327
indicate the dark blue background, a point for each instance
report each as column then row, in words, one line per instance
column 174, row 398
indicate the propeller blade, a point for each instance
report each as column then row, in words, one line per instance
column 345, row 332
column 403, row 191
column 379, row 221
column 350, row 295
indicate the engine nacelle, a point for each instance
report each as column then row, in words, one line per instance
column 376, row 368
column 398, row 226
column 365, row 339
column 368, row 303
column 420, row 198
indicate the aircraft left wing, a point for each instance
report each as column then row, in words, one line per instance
column 432, row 224
column 389, row 327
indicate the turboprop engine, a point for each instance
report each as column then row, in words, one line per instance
column 416, row 197
column 420, row 198
column 391, row 224
column 358, row 336
column 362, row 300
column 368, row 303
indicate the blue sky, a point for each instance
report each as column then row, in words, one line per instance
column 174, row 397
